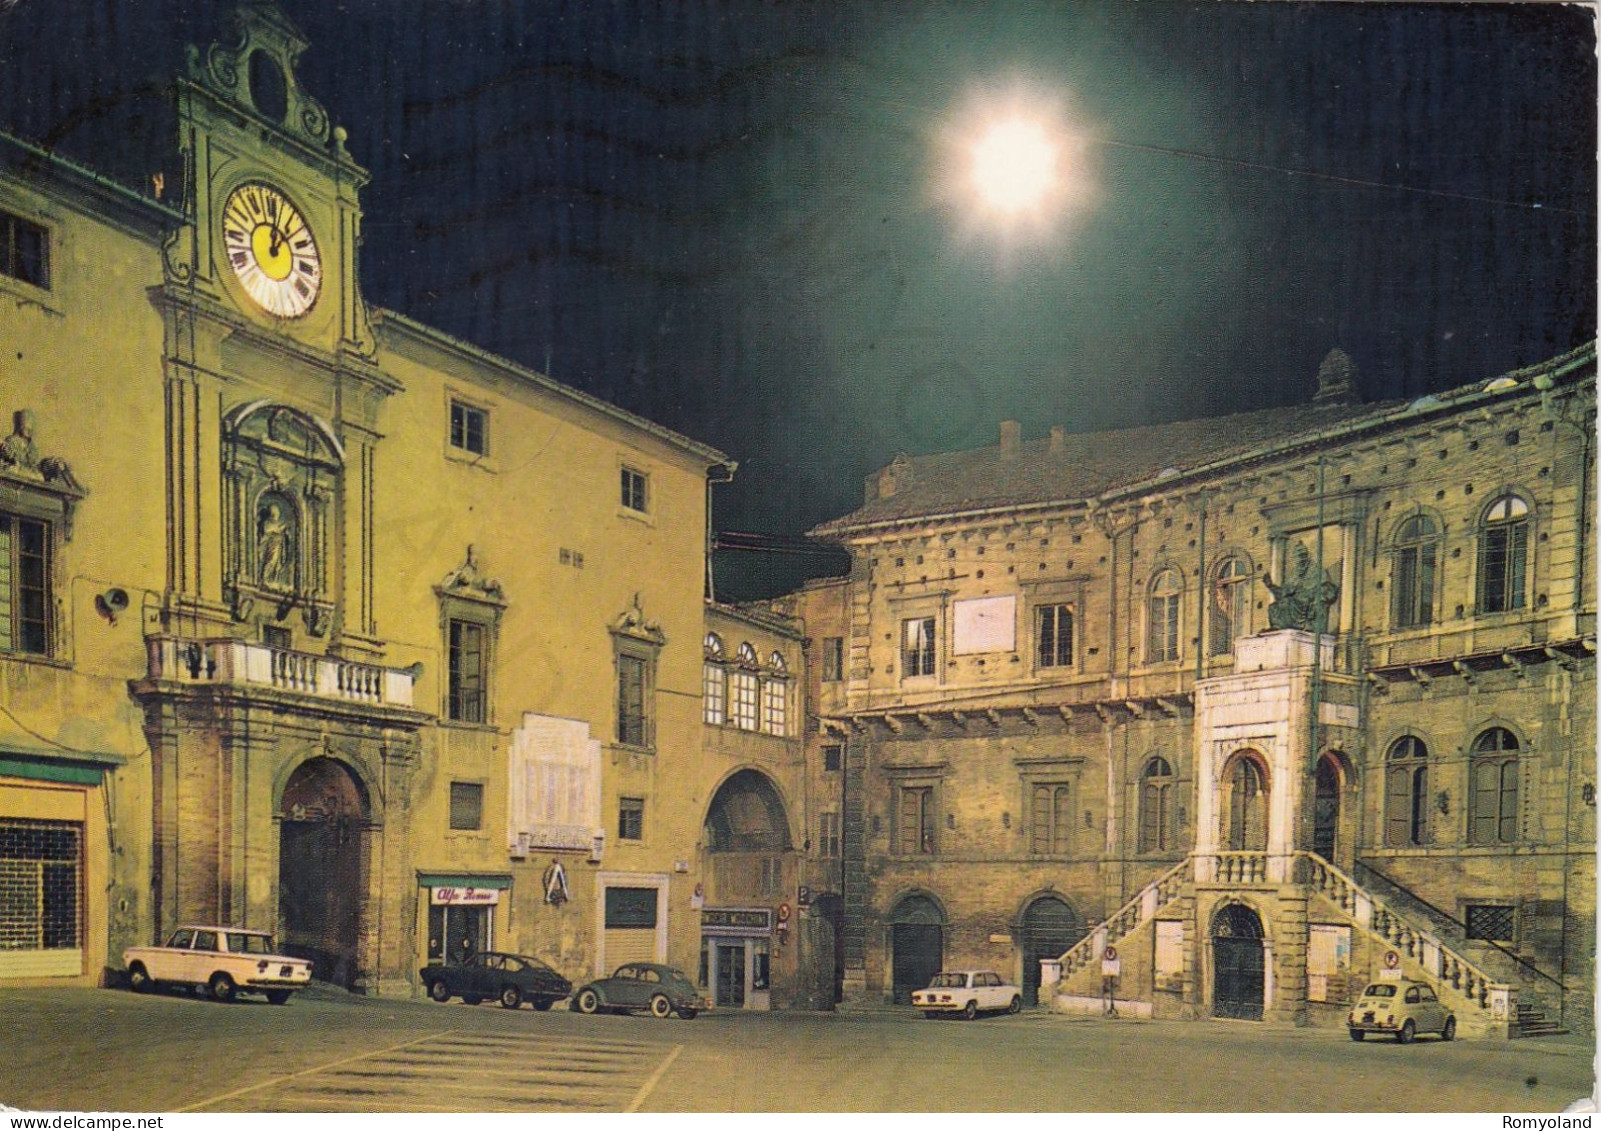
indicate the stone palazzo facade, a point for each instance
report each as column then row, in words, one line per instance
column 1225, row 718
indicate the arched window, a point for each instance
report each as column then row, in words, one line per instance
column 1156, row 806
column 1412, row 566
column 714, row 682
column 1493, row 794
column 1231, row 604
column 1247, row 811
column 744, row 689
column 1406, row 793
column 1503, row 555
column 775, row 697
column 1162, row 617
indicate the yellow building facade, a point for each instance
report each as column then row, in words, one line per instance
column 317, row 619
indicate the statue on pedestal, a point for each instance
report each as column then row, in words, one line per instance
column 1301, row 601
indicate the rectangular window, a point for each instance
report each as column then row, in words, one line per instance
column 24, row 586
column 714, row 693
column 833, row 659
column 24, row 250
column 1503, row 555
column 1053, row 632
column 469, row 428
column 775, row 707
column 917, row 647
column 1050, row 819
column 915, row 820
column 466, row 805
column 828, row 834
column 467, row 673
column 833, row 757
column 40, row 885
column 742, row 711
column 1494, row 922
column 631, row 718
column 630, row 818
column 630, row 907
column 634, row 494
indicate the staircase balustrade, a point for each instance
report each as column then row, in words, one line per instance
column 1146, row 902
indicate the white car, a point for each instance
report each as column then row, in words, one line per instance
column 221, row 960
column 968, row 992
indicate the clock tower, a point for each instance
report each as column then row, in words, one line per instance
column 278, row 735
column 274, row 389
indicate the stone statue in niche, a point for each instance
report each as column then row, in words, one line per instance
column 275, row 545
column 1302, row 600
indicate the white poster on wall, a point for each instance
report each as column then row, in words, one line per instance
column 984, row 624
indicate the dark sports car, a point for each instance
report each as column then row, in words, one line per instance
column 510, row 978
column 639, row 986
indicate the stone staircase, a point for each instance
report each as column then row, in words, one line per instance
column 1484, row 1005
column 1535, row 988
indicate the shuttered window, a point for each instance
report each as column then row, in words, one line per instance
column 1413, row 571
column 468, row 688
column 631, row 718
column 1406, row 794
column 1162, row 617
column 1050, row 819
column 1493, row 800
column 1156, row 800
column 466, row 805
column 1503, row 555
column 915, row 820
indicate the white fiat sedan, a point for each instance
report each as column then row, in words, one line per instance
column 969, row 993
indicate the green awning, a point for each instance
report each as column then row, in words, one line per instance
column 463, row 880
column 72, row 767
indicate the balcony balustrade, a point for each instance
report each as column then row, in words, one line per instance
column 229, row 661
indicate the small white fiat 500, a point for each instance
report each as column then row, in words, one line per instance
column 1401, row 1009
column 969, row 993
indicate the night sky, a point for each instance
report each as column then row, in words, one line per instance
column 736, row 218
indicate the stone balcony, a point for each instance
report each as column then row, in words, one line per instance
column 247, row 663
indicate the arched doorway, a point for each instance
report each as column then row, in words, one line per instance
column 1246, row 784
column 829, row 909
column 1326, row 807
column 917, row 945
column 1050, row 928
column 320, row 883
column 1238, row 963
column 746, row 840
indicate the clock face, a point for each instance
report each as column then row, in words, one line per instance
column 271, row 250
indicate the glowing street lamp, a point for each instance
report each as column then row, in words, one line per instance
column 1014, row 166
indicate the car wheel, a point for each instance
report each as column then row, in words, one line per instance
column 278, row 997
column 1357, row 1034
column 222, row 987
column 1407, row 1033
column 139, row 980
column 1016, row 1005
column 438, row 990
column 510, row 997
column 1449, row 1032
column 543, row 1003
column 587, row 1001
column 970, row 1011
column 660, row 1006
column 687, row 1014
column 473, row 1000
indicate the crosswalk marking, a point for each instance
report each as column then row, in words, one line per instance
column 455, row 1070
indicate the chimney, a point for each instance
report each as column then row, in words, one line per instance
column 1336, row 380
column 891, row 479
column 1011, row 439
column 1058, row 439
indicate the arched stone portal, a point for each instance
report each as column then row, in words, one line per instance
column 1238, row 964
column 746, row 841
column 324, row 818
column 1050, row 927
column 917, row 945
